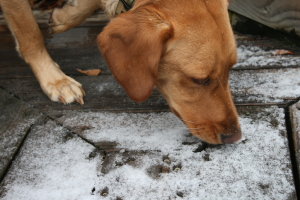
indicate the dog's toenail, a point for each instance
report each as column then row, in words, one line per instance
column 80, row 101
column 61, row 99
column 83, row 92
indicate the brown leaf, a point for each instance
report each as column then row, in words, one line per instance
column 281, row 52
column 91, row 72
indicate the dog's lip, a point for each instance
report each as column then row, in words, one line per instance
column 223, row 137
column 240, row 140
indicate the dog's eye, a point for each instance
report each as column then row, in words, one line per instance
column 205, row 81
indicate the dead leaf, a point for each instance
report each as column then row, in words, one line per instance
column 91, row 72
column 281, row 52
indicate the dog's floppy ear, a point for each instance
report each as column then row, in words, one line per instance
column 132, row 45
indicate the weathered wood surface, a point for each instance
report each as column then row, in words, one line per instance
column 295, row 120
column 64, row 48
column 115, row 159
column 77, row 48
column 104, row 93
column 277, row 14
column 16, row 119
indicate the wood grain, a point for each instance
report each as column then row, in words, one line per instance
column 103, row 93
column 16, row 119
column 295, row 121
column 277, row 14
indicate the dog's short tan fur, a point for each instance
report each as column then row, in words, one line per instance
column 184, row 48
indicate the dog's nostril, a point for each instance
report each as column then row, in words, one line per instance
column 230, row 139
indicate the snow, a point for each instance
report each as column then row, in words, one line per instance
column 257, row 57
column 134, row 131
column 265, row 86
column 54, row 165
column 48, row 167
column 272, row 85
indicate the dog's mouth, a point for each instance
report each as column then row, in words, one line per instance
column 210, row 134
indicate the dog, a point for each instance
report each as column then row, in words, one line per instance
column 183, row 48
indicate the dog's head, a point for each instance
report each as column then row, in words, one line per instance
column 185, row 49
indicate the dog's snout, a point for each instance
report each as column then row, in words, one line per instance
column 231, row 139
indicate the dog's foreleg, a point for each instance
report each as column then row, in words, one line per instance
column 71, row 14
column 30, row 45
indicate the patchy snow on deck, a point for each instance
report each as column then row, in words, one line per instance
column 257, row 57
column 166, row 161
column 54, row 164
column 265, row 86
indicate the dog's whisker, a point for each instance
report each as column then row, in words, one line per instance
column 190, row 121
column 195, row 130
column 184, row 127
column 221, row 83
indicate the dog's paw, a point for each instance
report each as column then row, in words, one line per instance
column 65, row 90
column 62, row 18
column 71, row 14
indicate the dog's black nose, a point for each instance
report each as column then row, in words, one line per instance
column 231, row 139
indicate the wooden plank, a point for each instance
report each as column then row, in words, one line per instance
column 82, row 52
column 277, row 14
column 69, row 59
column 44, row 139
column 295, row 121
column 74, row 49
column 266, row 43
column 264, row 86
column 104, row 93
column 77, row 36
column 16, row 118
column 77, row 48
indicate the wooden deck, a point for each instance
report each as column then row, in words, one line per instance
column 77, row 49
